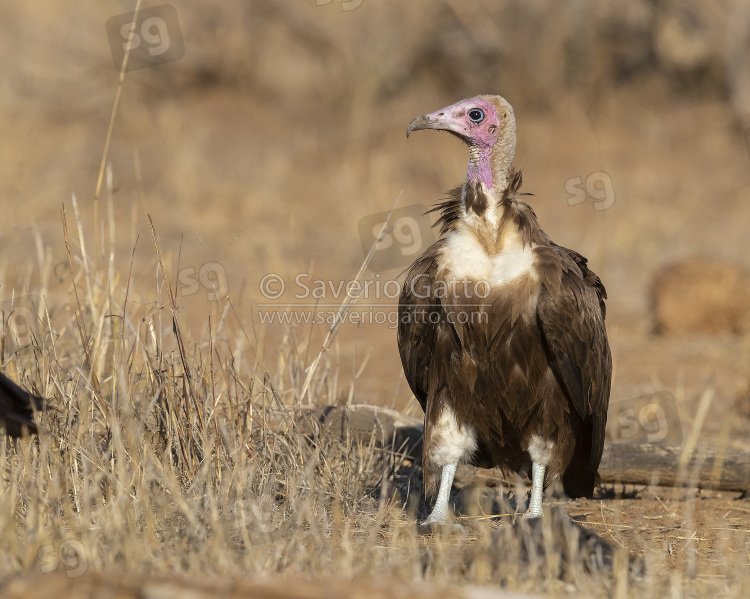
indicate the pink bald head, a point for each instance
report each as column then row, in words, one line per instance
column 487, row 125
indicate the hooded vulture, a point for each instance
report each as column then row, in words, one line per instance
column 501, row 331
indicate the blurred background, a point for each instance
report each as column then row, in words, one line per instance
column 261, row 146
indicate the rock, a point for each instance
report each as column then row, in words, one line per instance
column 700, row 295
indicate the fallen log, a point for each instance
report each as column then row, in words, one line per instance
column 660, row 466
column 636, row 464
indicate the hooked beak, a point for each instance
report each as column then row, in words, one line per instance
column 422, row 122
column 441, row 120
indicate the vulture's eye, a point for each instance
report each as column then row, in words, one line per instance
column 476, row 115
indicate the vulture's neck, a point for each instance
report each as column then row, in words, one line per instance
column 489, row 165
column 487, row 184
column 480, row 167
column 494, row 214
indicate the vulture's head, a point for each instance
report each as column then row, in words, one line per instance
column 486, row 124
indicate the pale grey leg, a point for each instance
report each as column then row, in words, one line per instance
column 537, row 490
column 440, row 512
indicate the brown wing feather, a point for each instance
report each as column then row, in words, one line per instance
column 589, row 276
column 572, row 323
column 416, row 334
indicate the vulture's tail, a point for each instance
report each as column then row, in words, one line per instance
column 581, row 476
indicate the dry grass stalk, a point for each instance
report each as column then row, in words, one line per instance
column 348, row 301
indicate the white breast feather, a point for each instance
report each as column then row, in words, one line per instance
column 464, row 258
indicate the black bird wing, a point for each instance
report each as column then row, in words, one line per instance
column 571, row 318
column 17, row 407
